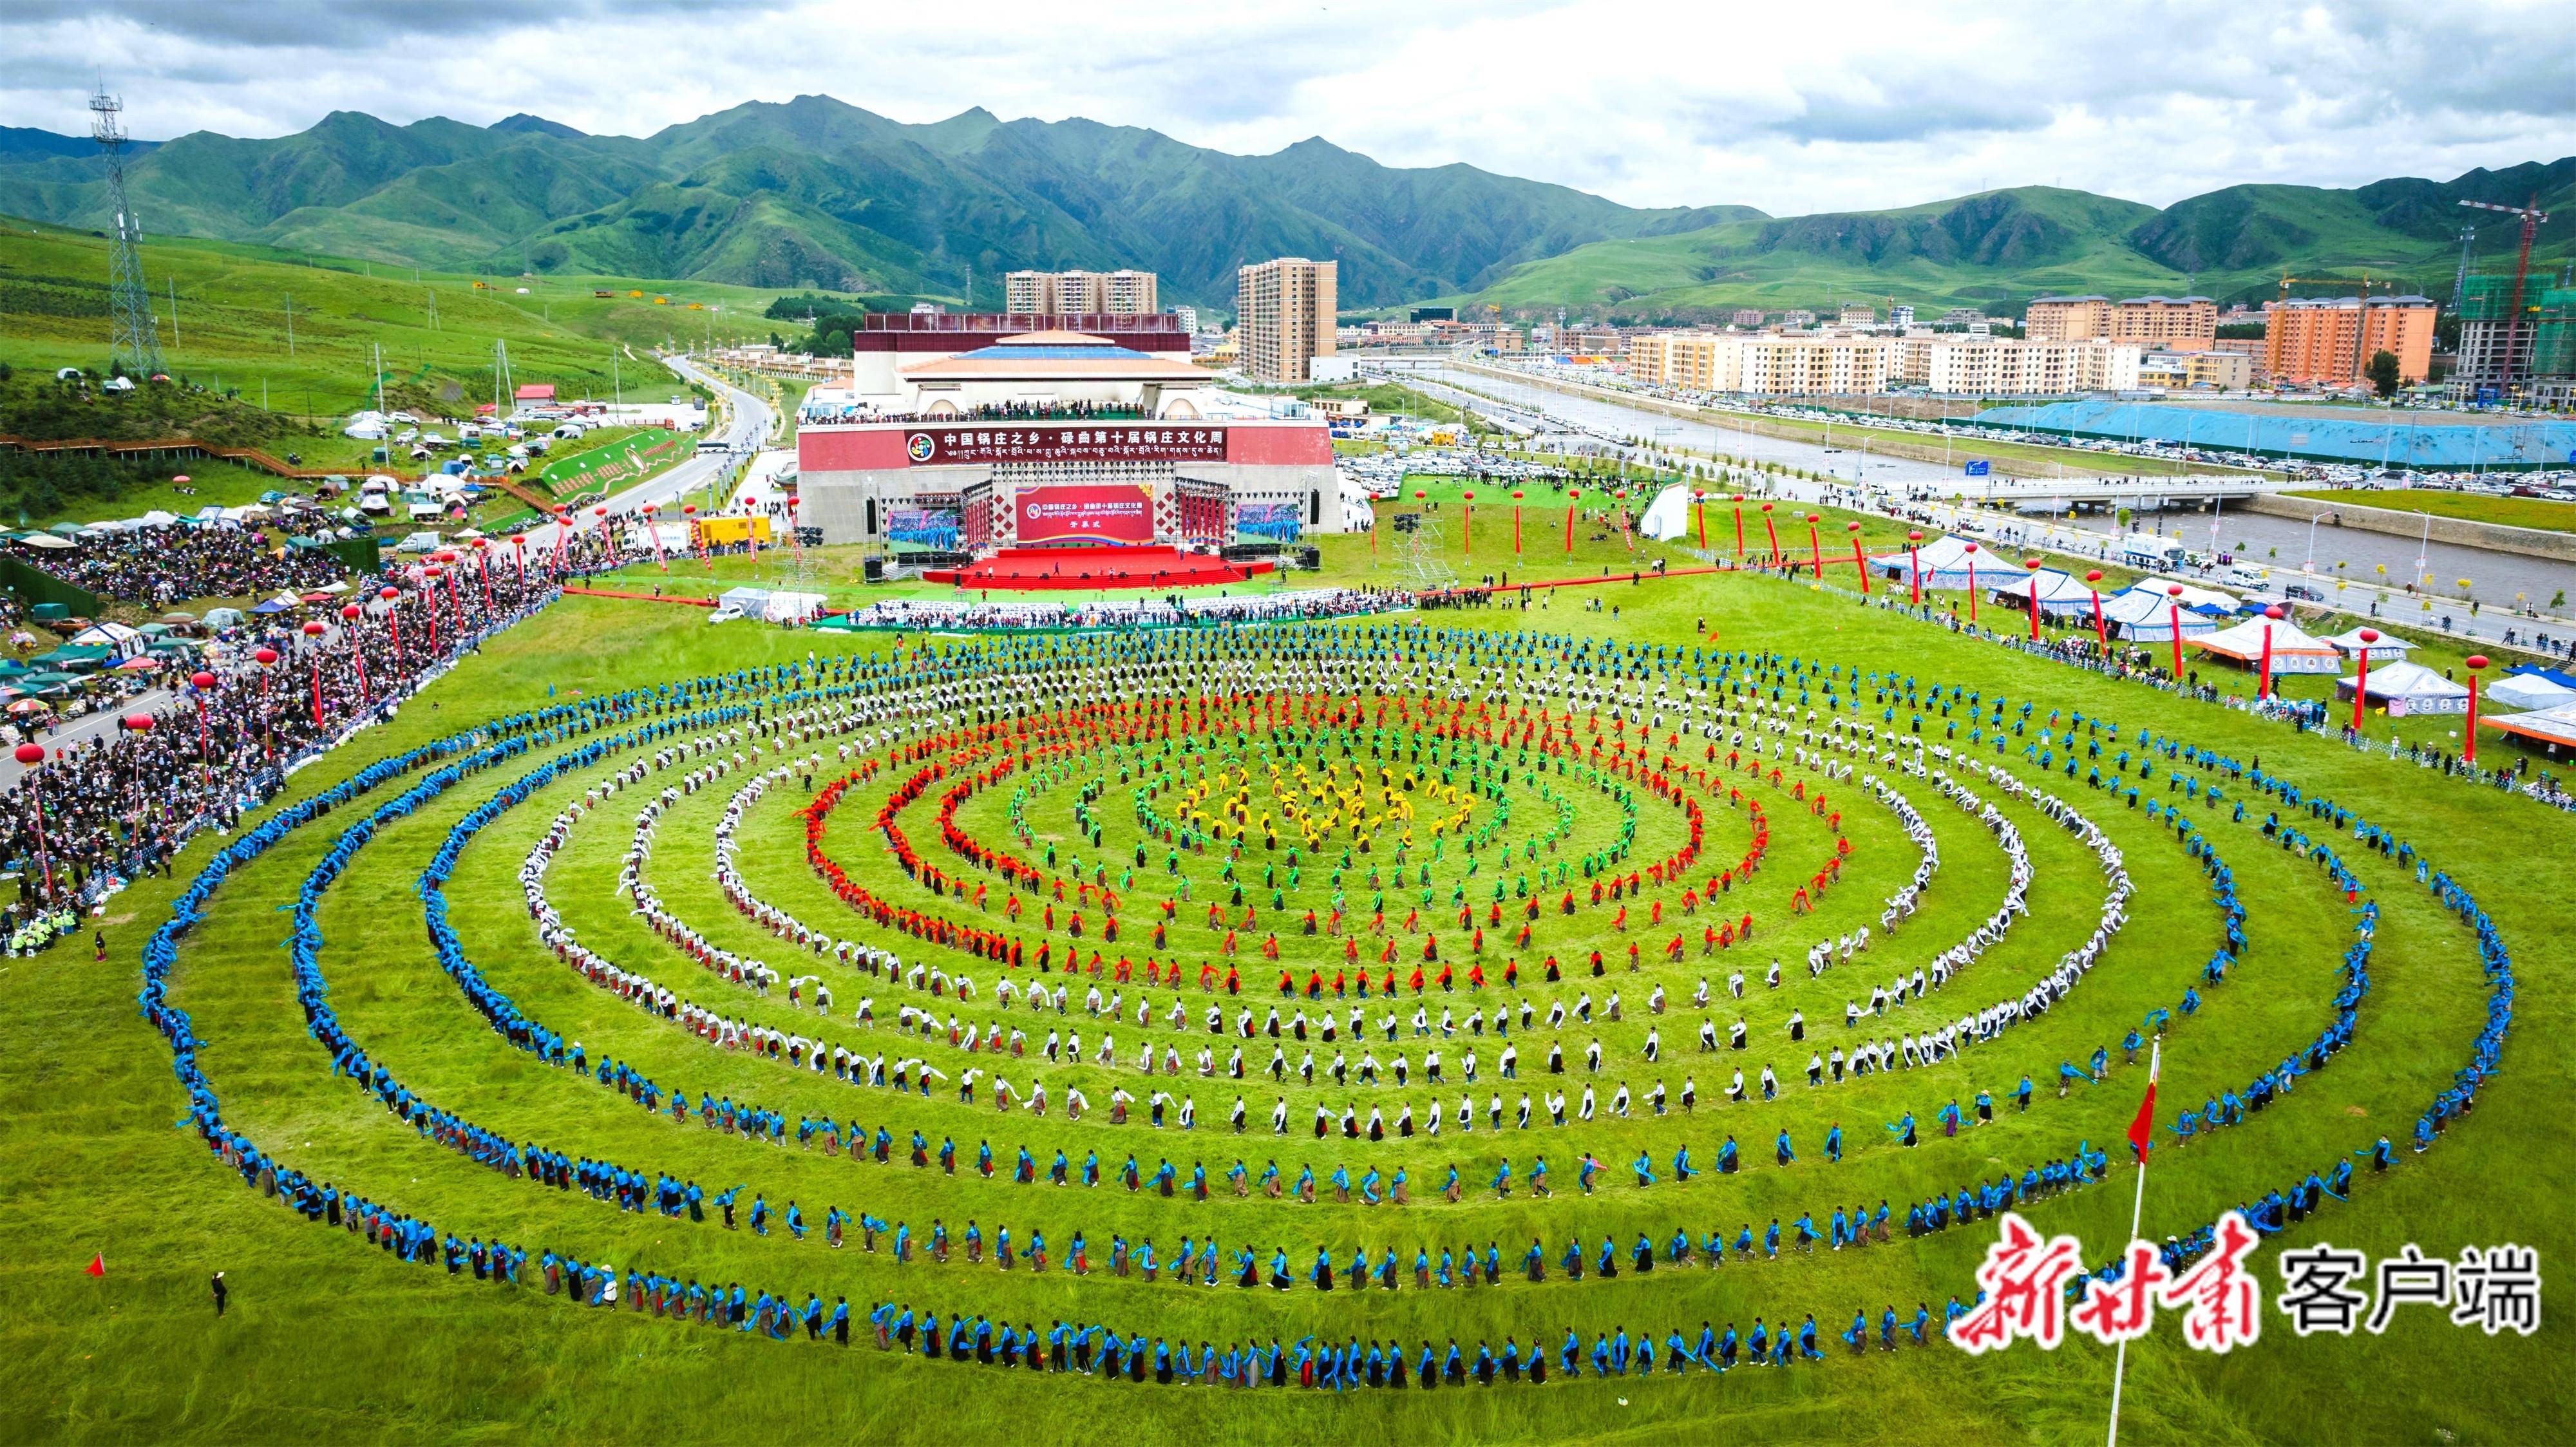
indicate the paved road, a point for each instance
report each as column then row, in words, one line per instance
column 2280, row 544
column 751, row 425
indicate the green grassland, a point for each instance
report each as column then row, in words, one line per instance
column 325, row 1336
column 2512, row 512
column 233, row 320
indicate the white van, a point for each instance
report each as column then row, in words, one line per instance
column 2246, row 575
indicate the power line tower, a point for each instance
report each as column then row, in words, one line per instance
column 134, row 340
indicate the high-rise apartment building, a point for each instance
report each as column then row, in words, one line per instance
column 1284, row 317
column 2172, row 323
column 1080, row 293
column 2328, row 341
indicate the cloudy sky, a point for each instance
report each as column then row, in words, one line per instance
column 1825, row 105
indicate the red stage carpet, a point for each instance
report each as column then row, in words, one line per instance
column 1039, row 569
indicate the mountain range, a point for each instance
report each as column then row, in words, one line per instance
column 814, row 192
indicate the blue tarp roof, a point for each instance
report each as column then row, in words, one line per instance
column 2427, row 443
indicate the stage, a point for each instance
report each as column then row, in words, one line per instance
column 1044, row 569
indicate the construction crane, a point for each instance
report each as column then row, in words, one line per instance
column 2460, row 280
column 2532, row 216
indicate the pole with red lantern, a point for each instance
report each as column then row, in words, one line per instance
column 1860, row 564
column 1516, row 522
column 1914, row 552
column 607, row 534
column 266, row 657
column 1573, row 495
column 2173, row 616
column 655, row 529
column 204, row 683
column 31, row 757
column 1467, row 523
column 392, row 597
column 2033, row 565
column 429, row 596
column 1772, row 529
column 350, row 615
column 1739, row 527
column 313, row 641
column 2101, row 634
column 697, row 541
column 483, row 570
column 2361, row 685
column 563, row 537
column 519, row 545
column 1816, row 541
column 1972, row 581
column 2263, row 681
column 1699, row 510
column 2469, row 752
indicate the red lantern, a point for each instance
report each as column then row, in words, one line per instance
column 266, row 656
column 140, row 723
column 2361, row 685
column 202, row 679
column 31, row 754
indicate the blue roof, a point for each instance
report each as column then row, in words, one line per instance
column 1101, row 352
column 2403, row 441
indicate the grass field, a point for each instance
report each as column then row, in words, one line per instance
column 233, row 317
column 2512, row 512
column 324, row 1334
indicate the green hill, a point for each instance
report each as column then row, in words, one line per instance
column 814, row 193
column 1997, row 249
column 232, row 321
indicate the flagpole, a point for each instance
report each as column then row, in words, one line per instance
column 2137, row 1217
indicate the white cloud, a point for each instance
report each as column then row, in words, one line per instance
column 1846, row 104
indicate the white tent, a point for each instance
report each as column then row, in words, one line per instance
column 2528, row 691
column 2294, row 650
column 1945, row 561
column 2148, row 617
column 793, row 607
column 2058, row 592
column 2549, row 726
column 2350, row 645
column 126, row 641
column 2409, row 688
column 1667, row 517
column 2193, row 594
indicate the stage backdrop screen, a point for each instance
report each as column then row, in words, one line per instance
column 1276, row 521
column 922, row 527
column 1118, row 515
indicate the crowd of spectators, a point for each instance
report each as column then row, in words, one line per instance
column 96, row 814
column 157, row 567
column 1308, row 603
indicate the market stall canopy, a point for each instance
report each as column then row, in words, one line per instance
column 1667, row 517
column 1945, row 563
column 223, row 617
column 2549, row 726
column 2056, row 589
column 2533, row 691
column 2145, row 617
column 2294, row 649
column 2410, row 688
column 2193, row 594
column 47, row 540
column 2350, row 645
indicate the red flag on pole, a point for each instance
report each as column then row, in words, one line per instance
column 97, row 1265
column 2142, row 1131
